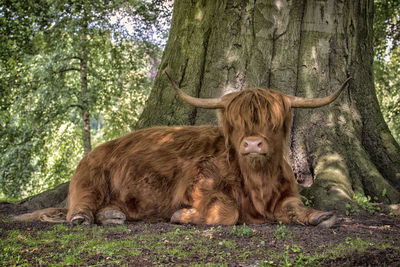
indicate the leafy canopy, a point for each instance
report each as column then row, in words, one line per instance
column 387, row 61
column 41, row 46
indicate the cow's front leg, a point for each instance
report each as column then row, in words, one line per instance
column 217, row 212
column 80, row 212
column 292, row 210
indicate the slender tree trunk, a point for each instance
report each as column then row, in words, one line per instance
column 87, row 147
column 304, row 48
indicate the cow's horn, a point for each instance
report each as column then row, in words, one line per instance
column 210, row 103
column 300, row 102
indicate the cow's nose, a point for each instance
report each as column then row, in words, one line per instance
column 253, row 144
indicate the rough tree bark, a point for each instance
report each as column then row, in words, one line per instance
column 304, row 48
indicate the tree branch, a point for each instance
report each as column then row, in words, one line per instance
column 75, row 106
column 95, row 75
column 66, row 70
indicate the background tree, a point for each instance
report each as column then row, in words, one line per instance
column 304, row 48
column 387, row 61
column 70, row 70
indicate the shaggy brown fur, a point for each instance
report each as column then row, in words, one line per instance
column 196, row 174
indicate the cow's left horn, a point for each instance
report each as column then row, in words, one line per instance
column 210, row 103
column 300, row 102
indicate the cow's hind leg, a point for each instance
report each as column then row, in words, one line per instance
column 220, row 210
column 110, row 215
column 54, row 215
column 292, row 210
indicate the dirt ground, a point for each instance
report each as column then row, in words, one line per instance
column 360, row 239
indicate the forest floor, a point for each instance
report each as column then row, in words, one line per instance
column 360, row 239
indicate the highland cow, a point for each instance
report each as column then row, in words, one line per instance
column 236, row 172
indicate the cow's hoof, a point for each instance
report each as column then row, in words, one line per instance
column 176, row 217
column 323, row 219
column 186, row 216
column 81, row 219
column 109, row 217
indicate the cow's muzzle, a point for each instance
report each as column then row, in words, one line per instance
column 253, row 146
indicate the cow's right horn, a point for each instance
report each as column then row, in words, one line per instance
column 210, row 103
column 301, row 102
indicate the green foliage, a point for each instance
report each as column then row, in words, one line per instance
column 387, row 83
column 364, row 202
column 350, row 209
column 386, row 26
column 387, row 61
column 40, row 70
column 309, row 202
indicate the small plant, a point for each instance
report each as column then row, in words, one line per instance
column 242, row 231
column 351, row 209
column 394, row 213
column 244, row 255
column 267, row 263
column 309, row 202
column 177, row 230
column 299, row 260
column 281, row 231
column 365, row 203
column 286, row 257
column 262, row 243
column 384, row 192
column 213, row 230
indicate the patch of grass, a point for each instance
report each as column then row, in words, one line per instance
column 242, row 231
column 350, row 246
column 10, row 255
column 281, row 231
column 292, row 256
column 179, row 244
column 63, row 245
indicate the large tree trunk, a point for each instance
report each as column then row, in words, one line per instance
column 304, row 48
